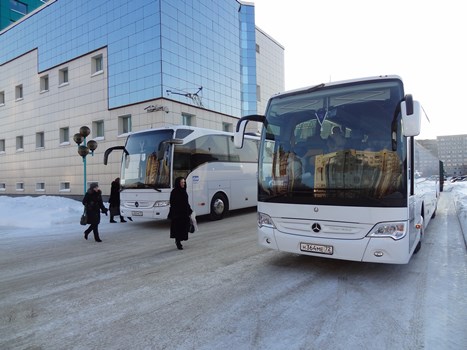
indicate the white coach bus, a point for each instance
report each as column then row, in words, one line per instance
column 336, row 174
column 219, row 176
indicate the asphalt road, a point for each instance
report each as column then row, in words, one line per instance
column 137, row 291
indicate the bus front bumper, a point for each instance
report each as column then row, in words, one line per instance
column 154, row 213
column 377, row 250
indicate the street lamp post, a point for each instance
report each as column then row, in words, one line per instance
column 84, row 148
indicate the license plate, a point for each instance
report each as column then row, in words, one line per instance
column 137, row 213
column 317, row 248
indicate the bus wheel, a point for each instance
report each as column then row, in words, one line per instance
column 417, row 248
column 219, row 206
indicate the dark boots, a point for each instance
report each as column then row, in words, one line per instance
column 113, row 221
column 94, row 230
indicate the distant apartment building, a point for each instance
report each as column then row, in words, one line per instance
column 13, row 10
column 452, row 150
column 118, row 67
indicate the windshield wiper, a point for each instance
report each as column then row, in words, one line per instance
column 286, row 194
column 140, row 184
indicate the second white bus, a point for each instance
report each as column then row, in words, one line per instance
column 219, row 176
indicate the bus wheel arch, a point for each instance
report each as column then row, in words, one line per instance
column 219, row 206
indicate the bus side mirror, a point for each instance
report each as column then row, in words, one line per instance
column 241, row 126
column 109, row 150
column 411, row 117
column 240, row 133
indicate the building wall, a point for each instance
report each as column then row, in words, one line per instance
column 154, row 46
column 137, row 72
column 450, row 149
column 270, row 68
column 453, row 152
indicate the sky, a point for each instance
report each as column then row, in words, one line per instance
column 423, row 42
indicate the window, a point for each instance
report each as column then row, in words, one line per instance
column 124, row 124
column 2, row 98
column 19, row 7
column 65, row 135
column 2, row 186
column 63, row 76
column 187, row 119
column 19, row 143
column 44, row 83
column 98, row 127
column 19, row 186
column 40, row 186
column 258, row 93
column 227, row 127
column 40, row 143
column 257, row 48
column 64, row 187
column 19, row 92
column 2, row 146
column 97, row 65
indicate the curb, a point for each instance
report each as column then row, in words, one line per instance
column 461, row 211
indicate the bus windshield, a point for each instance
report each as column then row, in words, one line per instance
column 333, row 146
column 147, row 163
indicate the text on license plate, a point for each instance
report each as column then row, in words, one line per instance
column 317, row 248
column 137, row 213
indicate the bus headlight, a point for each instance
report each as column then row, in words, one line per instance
column 394, row 230
column 265, row 220
column 162, row 203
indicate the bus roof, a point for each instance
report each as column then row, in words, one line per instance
column 332, row 83
column 197, row 131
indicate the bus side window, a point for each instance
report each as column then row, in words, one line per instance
column 181, row 162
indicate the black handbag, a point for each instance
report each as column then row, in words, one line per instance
column 84, row 218
column 191, row 227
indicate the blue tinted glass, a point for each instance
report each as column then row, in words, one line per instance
column 197, row 43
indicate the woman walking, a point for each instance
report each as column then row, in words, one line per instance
column 92, row 201
column 114, row 201
column 179, row 213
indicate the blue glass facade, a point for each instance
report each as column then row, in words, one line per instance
column 156, row 48
column 248, row 57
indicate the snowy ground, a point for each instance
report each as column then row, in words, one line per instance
column 26, row 213
column 137, row 291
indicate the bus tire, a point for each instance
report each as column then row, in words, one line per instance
column 219, row 206
column 417, row 248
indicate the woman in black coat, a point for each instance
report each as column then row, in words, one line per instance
column 92, row 201
column 114, row 201
column 180, row 212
